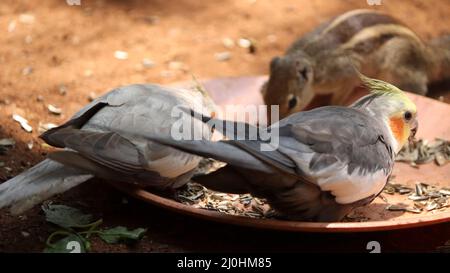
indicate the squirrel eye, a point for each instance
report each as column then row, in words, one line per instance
column 407, row 115
column 292, row 101
column 303, row 73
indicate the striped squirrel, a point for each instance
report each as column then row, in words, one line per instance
column 320, row 63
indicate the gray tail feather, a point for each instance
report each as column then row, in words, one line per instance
column 38, row 184
column 219, row 150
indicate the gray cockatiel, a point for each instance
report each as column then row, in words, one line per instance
column 327, row 161
column 93, row 146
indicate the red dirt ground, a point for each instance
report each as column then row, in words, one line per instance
column 74, row 46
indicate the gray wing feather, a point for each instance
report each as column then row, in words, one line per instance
column 38, row 184
column 341, row 135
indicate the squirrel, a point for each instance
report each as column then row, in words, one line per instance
column 323, row 62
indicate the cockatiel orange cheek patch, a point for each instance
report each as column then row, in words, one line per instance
column 397, row 127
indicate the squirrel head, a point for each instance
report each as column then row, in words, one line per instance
column 291, row 77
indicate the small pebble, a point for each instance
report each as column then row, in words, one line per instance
column 30, row 145
column 222, row 56
column 27, row 70
column 148, row 63
column 40, row 98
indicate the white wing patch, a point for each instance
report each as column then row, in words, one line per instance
column 351, row 188
column 335, row 178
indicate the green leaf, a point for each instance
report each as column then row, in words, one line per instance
column 121, row 234
column 70, row 244
column 65, row 216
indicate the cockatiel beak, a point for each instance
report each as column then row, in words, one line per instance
column 414, row 128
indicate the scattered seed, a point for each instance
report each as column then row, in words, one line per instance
column 120, row 55
column 382, row 197
column 23, row 123
column 415, row 197
column 228, row 42
column 244, row 43
column 395, row 208
column 422, row 152
column 248, row 44
column 7, row 142
column 419, row 190
column 431, row 206
column 404, row 191
column 43, row 127
column 26, row 18
column 54, row 110
column 414, row 210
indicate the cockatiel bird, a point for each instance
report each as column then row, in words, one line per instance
column 94, row 148
column 328, row 160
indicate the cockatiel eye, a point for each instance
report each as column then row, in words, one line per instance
column 407, row 115
column 303, row 73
